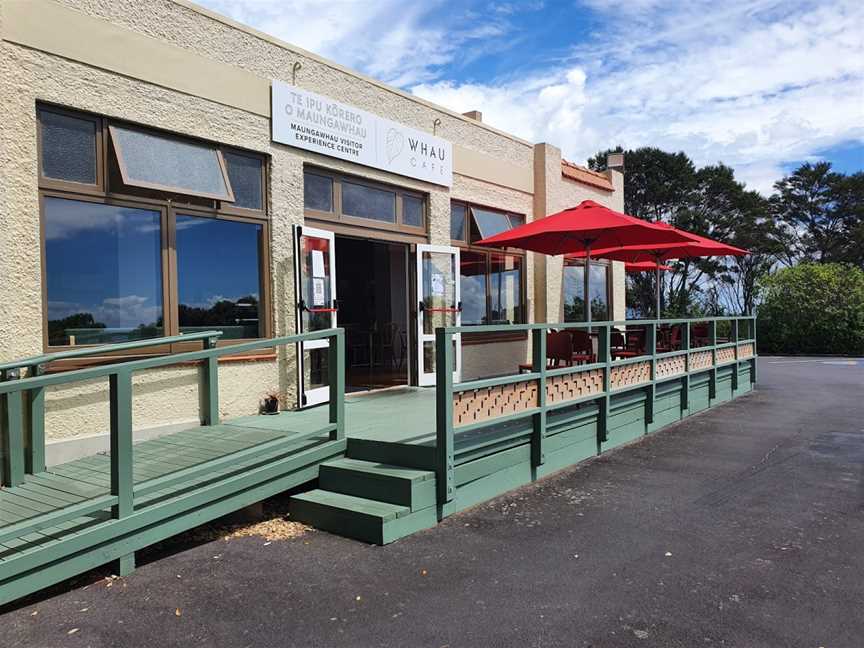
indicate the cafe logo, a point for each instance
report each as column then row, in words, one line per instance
column 395, row 142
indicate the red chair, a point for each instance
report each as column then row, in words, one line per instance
column 582, row 347
column 699, row 334
column 670, row 343
column 559, row 351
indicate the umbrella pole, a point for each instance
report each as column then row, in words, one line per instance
column 657, row 284
column 586, row 283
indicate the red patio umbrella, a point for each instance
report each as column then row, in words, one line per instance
column 584, row 227
column 644, row 266
column 696, row 246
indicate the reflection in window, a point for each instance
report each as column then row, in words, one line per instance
column 103, row 271
column 412, row 211
column 490, row 223
column 491, row 288
column 317, row 192
column 472, row 287
column 363, row 201
column 68, row 147
column 505, row 279
column 245, row 174
column 151, row 160
column 218, row 276
column 457, row 221
column 574, row 303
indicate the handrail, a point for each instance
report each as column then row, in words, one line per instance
column 27, row 394
column 82, row 352
column 642, row 370
column 504, row 328
column 89, row 373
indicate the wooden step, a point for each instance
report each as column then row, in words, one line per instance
column 378, row 481
column 360, row 518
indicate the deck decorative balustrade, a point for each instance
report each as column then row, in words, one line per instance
column 699, row 346
column 22, row 405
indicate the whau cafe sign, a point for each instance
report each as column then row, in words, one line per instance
column 315, row 123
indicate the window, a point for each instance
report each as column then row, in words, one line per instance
column 505, row 290
column 491, row 288
column 490, row 223
column 412, row 211
column 246, row 174
column 317, row 192
column 574, row 290
column 368, row 202
column 223, row 295
column 103, row 272
column 472, row 287
column 457, row 222
column 471, row 224
column 152, row 160
column 68, row 147
column 122, row 262
column 358, row 202
column 492, row 282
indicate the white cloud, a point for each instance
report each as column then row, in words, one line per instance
column 748, row 86
column 752, row 83
column 400, row 43
column 114, row 312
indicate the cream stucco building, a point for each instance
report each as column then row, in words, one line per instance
column 143, row 193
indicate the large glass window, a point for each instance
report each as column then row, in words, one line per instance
column 491, row 288
column 574, row 290
column 103, row 271
column 122, row 262
column 68, row 147
column 472, row 287
column 155, row 161
column 505, row 290
column 223, row 295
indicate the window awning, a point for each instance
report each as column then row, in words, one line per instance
column 155, row 161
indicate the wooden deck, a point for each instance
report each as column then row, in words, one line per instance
column 198, row 474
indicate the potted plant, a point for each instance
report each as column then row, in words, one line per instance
column 270, row 404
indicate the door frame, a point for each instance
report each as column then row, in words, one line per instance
column 425, row 379
column 318, row 395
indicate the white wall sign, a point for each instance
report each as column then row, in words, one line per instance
column 315, row 123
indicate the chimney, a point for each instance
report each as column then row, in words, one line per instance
column 615, row 161
column 474, row 114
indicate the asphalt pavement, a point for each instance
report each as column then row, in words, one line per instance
column 742, row 526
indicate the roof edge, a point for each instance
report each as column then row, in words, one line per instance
column 230, row 22
column 579, row 173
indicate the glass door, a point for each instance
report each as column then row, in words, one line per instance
column 315, row 290
column 439, row 305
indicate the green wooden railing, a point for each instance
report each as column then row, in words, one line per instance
column 16, row 424
column 725, row 339
column 12, row 468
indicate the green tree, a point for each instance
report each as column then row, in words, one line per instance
column 822, row 215
column 658, row 184
column 708, row 201
column 813, row 308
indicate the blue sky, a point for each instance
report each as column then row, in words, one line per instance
column 761, row 85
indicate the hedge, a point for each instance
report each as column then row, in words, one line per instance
column 813, row 308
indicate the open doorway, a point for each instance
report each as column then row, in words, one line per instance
column 372, row 289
